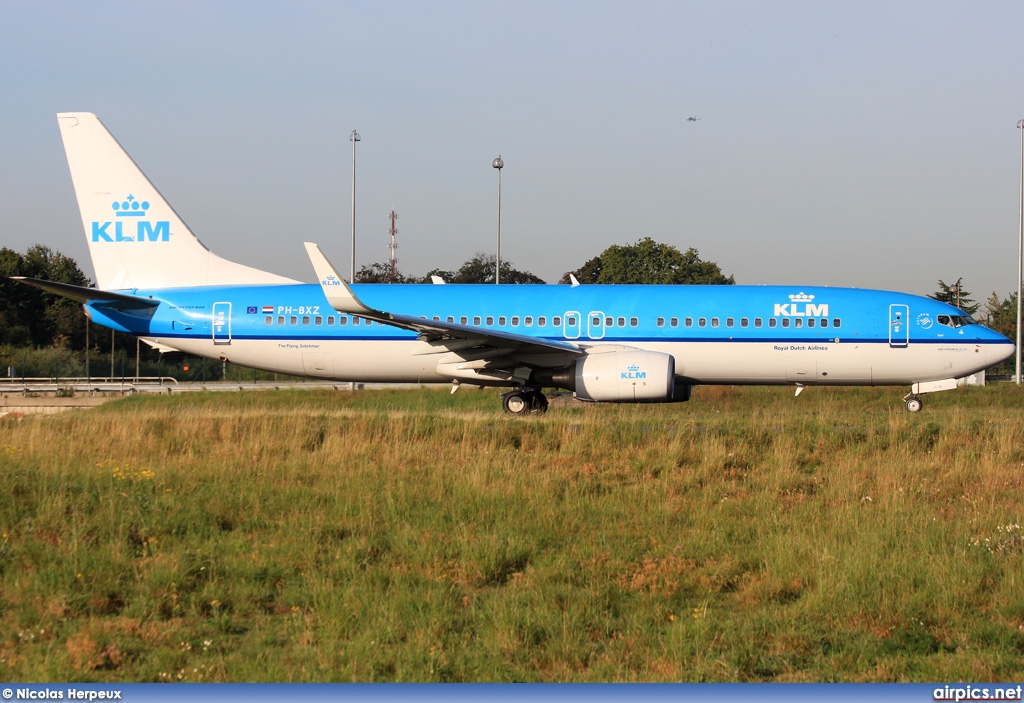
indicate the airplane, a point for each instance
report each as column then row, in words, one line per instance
column 692, row 118
column 604, row 343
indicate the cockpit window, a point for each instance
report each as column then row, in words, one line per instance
column 955, row 321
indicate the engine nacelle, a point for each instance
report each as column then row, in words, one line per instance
column 625, row 377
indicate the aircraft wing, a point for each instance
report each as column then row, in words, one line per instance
column 442, row 336
column 90, row 295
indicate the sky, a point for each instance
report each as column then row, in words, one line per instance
column 868, row 144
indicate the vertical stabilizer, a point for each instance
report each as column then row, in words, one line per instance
column 135, row 239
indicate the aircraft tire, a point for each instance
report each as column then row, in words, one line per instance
column 913, row 404
column 538, row 403
column 516, row 403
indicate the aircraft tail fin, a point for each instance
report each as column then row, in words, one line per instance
column 136, row 240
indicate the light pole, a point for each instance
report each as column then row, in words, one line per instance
column 354, row 137
column 1020, row 247
column 498, row 164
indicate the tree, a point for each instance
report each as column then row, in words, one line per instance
column 1001, row 315
column 649, row 261
column 380, row 272
column 956, row 296
column 29, row 316
column 589, row 272
column 480, row 269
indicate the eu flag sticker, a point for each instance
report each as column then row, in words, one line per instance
column 251, row 310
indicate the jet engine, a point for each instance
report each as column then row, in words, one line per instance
column 622, row 376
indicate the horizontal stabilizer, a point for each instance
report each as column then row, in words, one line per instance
column 162, row 348
column 90, row 295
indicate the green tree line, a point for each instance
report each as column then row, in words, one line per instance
column 30, row 317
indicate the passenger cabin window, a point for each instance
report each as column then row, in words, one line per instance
column 528, row 321
column 785, row 322
column 595, row 321
column 270, row 319
column 515, row 320
column 824, row 322
column 476, row 320
column 714, row 322
column 674, row 322
column 305, row 319
column 772, row 322
column 342, row 320
column 810, row 322
column 729, row 322
column 330, row 320
column 280, row 319
column 622, row 322
column 571, row 320
column 609, row 321
column 293, row 320
column 318, row 320
column 836, row 322
column 355, row 321
column 757, row 322
column 744, row 322
column 633, row 322
column 463, row 320
column 490, row 320
column 502, row 320
column 702, row 322
column 798, row 322
column 661, row 322
column 688, row 322
column 451, row 320
column 542, row 321
column 556, row 321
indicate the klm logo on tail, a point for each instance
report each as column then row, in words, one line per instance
column 145, row 230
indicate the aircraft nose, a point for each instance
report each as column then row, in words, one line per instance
column 1001, row 351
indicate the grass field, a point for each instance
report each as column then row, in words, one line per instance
column 416, row 536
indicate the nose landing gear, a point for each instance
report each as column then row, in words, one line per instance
column 913, row 403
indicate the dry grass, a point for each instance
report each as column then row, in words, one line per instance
column 416, row 536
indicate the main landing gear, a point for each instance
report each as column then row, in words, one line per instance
column 525, row 401
column 913, row 403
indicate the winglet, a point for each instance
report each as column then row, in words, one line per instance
column 336, row 290
column 574, row 281
column 437, row 280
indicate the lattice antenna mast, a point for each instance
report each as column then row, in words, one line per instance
column 394, row 245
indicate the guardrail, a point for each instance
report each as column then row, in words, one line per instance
column 49, row 385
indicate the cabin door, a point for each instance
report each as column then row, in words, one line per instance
column 221, row 323
column 899, row 329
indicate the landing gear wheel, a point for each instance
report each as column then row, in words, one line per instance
column 538, row 403
column 913, row 404
column 516, row 403
column 524, row 402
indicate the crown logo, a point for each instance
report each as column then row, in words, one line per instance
column 633, row 367
column 130, row 207
column 801, row 297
